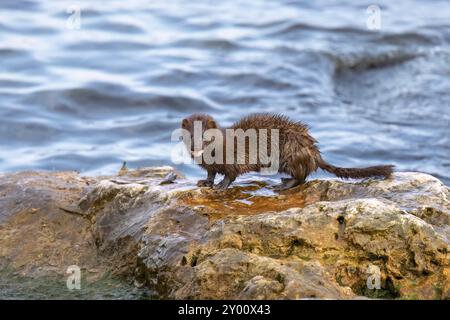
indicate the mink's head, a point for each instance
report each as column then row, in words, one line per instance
column 201, row 122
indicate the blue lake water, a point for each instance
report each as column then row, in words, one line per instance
column 85, row 85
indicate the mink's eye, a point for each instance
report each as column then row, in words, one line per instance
column 211, row 124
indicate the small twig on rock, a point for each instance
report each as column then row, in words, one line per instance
column 72, row 211
column 169, row 178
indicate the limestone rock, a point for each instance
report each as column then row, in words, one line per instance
column 326, row 239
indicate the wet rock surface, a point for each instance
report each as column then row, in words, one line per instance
column 157, row 235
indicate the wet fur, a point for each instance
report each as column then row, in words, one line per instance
column 299, row 154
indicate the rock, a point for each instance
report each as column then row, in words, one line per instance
column 36, row 236
column 154, row 228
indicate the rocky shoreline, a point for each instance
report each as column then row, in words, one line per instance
column 153, row 230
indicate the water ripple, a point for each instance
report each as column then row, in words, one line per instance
column 86, row 99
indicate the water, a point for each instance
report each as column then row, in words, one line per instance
column 14, row 286
column 86, row 99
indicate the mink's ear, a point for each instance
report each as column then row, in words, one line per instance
column 211, row 124
column 184, row 123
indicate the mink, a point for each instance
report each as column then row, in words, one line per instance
column 299, row 155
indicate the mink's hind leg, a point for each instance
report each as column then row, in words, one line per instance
column 288, row 183
column 225, row 183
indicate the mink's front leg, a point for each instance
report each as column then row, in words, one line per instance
column 209, row 182
column 225, row 183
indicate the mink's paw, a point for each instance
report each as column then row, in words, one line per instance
column 223, row 185
column 288, row 183
column 205, row 183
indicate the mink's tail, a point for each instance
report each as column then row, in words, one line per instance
column 357, row 173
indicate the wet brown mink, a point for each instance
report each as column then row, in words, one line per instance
column 298, row 154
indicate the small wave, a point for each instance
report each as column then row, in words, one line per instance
column 32, row 131
column 153, row 129
column 34, row 31
column 19, row 5
column 70, row 161
column 408, row 39
column 219, row 44
column 13, row 53
column 12, row 83
column 257, row 81
column 17, row 61
column 175, row 77
column 290, row 28
column 119, row 27
column 108, row 45
column 83, row 101
column 366, row 60
column 90, row 102
column 181, row 103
